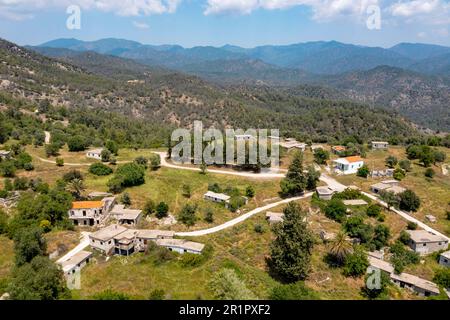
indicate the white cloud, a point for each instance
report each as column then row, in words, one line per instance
column 141, row 25
column 323, row 9
column 415, row 7
column 121, row 7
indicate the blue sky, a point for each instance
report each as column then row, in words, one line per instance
column 246, row 23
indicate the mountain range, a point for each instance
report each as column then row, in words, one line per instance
column 412, row 79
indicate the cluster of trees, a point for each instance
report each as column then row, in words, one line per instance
column 19, row 159
column 297, row 181
column 407, row 200
column 127, row 175
column 425, row 154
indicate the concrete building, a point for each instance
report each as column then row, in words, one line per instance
column 324, row 193
column 76, row 262
column 349, row 165
column 4, row 154
column 125, row 242
column 317, row 146
column 274, row 217
column 217, row 197
column 424, row 242
column 338, row 149
column 444, row 259
column 356, row 202
column 126, row 216
column 418, row 285
column 387, row 186
column 86, row 213
column 95, row 154
column 181, row 246
column 103, row 240
column 380, row 145
column 291, row 143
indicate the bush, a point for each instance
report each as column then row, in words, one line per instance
column 226, row 285
column 28, row 166
column 250, row 192
column 235, row 203
column 127, row 175
column 429, row 173
column 187, row 215
column 77, row 143
column 391, row 161
column 404, row 237
column 401, row 257
column 73, row 175
column 106, row 155
column 142, row 161
column 126, row 199
column 405, row 165
column 209, row 216
column 356, row 263
column 442, row 277
column 412, row 225
column 7, row 169
column 155, row 161
column 259, row 228
column 336, row 210
column 373, row 211
column 149, row 207
column 99, row 169
column 162, row 210
column 363, row 172
column 157, row 294
column 111, row 295
column 60, row 162
column 399, row 174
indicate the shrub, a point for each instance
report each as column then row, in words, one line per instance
column 157, row 294
column 106, row 155
column 60, row 162
column 442, row 277
column 111, row 295
column 226, row 285
column 73, row 175
column 405, row 165
column 77, row 143
column 336, row 210
column 401, row 257
column 187, row 215
column 363, row 172
column 399, row 174
column 99, row 169
column 356, row 263
column 155, row 161
column 126, row 199
column 412, row 225
column 21, row 183
column 209, row 215
column 373, row 211
column 404, row 237
column 429, row 173
column 250, row 192
column 141, row 161
column 162, row 210
column 149, row 207
column 391, row 161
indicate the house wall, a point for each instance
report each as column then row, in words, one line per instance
column 80, row 266
column 429, row 247
column 94, row 155
column 104, row 246
column 379, row 146
column 85, row 213
column 419, row 291
column 443, row 261
column 181, row 250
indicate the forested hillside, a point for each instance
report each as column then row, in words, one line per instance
column 165, row 99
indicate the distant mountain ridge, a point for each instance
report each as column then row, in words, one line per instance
column 320, row 57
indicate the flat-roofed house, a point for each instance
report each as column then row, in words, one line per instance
column 217, row 197
column 424, row 242
column 348, row 165
column 314, row 147
column 103, row 240
column 125, row 242
column 143, row 237
column 380, row 145
column 126, row 216
column 387, row 186
column 86, row 213
column 444, row 259
column 338, row 149
column 76, row 262
column 292, row 143
column 181, row 246
column 95, row 154
column 274, row 217
column 421, row 286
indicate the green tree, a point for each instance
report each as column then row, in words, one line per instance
column 112, row 147
column 7, row 169
column 106, row 155
column 28, row 243
column 405, row 165
column 442, row 277
column 295, row 181
column 390, row 198
column 155, row 161
column 187, row 215
column 76, row 187
column 52, row 149
column 187, row 191
column 336, row 210
column 209, row 215
column 226, row 285
column 142, row 161
column 77, row 143
column 321, row 156
column 429, row 173
column 356, row 263
column 41, row 279
column 374, row 211
column 312, row 178
column 363, row 172
column 391, row 161
column 59, row 162
column 409, row 201
column 100, row 169
column 162, row 210
column 126, row 199
column 290, row 252
column 399, row 174
column 250, row 192
column 340, row 249
column 382, row 234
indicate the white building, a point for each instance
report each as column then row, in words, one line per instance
column 103, row 240
column 90, row 213
column 95, row 154
column 424, row 242
column 380, row 145
column 126, row 216
column 4, row 154
column 76, row 262
column 274, row 217
column 324, row 193
column 217, row 197
column 181, row 246
column 444, row 259
column 349, row 165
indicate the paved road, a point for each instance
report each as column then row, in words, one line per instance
column 84, row 243
column 240, row 219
